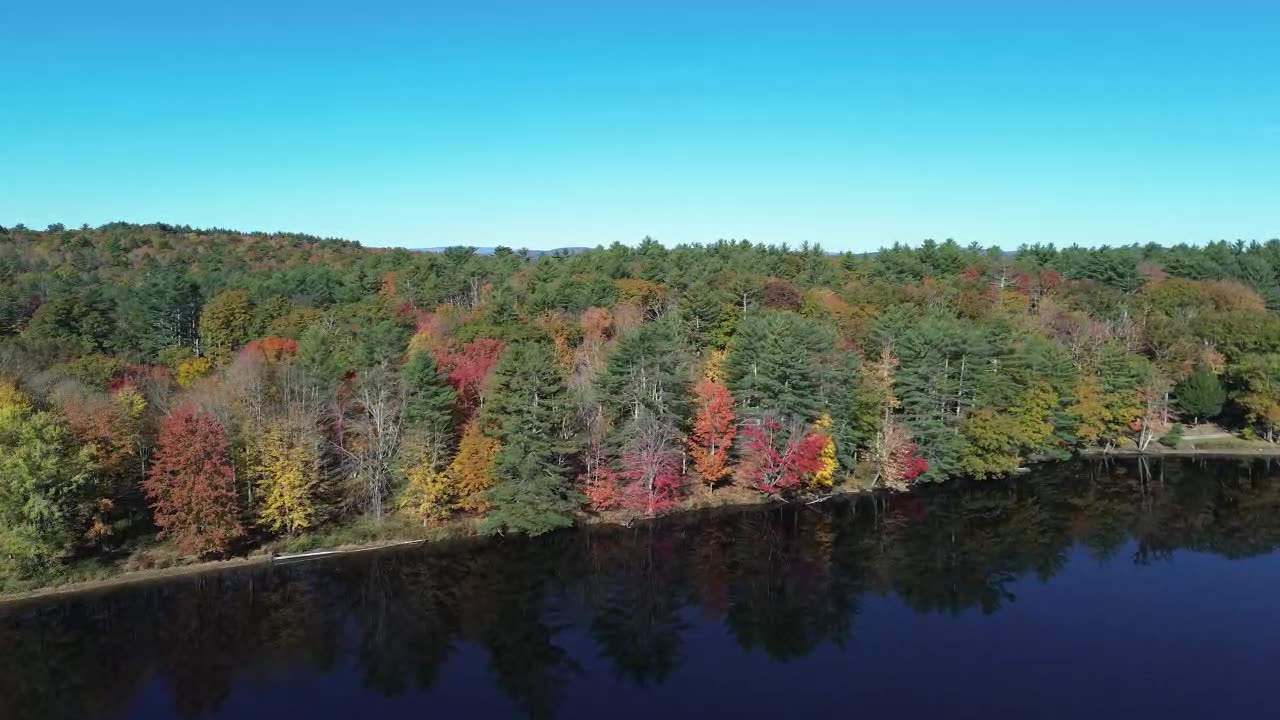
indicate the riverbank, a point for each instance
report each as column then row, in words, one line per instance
column 336, row 541
column 359, row 537
column 1211, row 444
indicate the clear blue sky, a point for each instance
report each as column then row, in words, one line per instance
column 547, row 124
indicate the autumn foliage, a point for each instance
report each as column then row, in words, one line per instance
column 774, row 460
column 471, row 471
column 271, row 348
column 466, row 368
column 713, row 431
column 191, row 485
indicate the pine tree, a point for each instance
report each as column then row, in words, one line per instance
column 1201, row 395
column 645, row 373
column 531, row 494
column 429, row 405
column 777, row 363
column 703, row 317
column 942, row 364
column 853, row 412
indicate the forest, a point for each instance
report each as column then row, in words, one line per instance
column 213, row 391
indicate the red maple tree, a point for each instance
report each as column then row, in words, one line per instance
column 646, row 479
column 273, row 349
column 650, row 467
column 467, row 367
column 191, row 486
column 774, row 460
column 713, row 431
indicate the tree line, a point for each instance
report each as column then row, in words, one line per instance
column 219, row 389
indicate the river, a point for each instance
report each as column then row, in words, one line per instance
column 1085, row 589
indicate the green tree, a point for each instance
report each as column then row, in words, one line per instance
column 780, row 362
column 1201, row 395
column 163, row 311
column 49, row 487
column 532, row 493
column 430, row 404
column 226, row 322
column 647, row 372
column 1258, row 378
column 86, row 316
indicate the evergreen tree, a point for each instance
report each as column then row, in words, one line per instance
column 941, row 368
column 532, row 493
column 1201, row 395
column 430, row 403
column 703, row 317
column 647, row 372
column 163, row 311
column 853, row 412
column 778, row 362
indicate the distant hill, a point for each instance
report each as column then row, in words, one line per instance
column 491, row 250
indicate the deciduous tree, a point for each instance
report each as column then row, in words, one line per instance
column 472, row 468
column 191, row 486
column 50, row 490
column 714, row 428
column 287, row 473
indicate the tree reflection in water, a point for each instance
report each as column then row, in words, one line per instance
column 781, row 582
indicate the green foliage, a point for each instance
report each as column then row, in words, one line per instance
column 646, row 373
column 779, row 361
column 226, row 323
column 1173, row 436
column 532, row 494
column 86, row 316
column 1257, row 378
column 48, row 489
column 1201, row 395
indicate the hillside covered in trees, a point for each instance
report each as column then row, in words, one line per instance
column 217, row 389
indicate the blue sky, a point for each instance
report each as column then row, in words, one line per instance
column 546, row 124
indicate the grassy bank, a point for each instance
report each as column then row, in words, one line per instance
column 157, row 561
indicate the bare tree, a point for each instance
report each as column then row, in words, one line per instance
column 372, row 441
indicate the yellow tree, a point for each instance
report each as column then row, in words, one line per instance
column 226, row 322
column 991, row 444
column 472, row 468
column 192, row 370
column 825, row 476
column 1090, row 408
column 430, row 493
column 1033, row 412
column 287, row 470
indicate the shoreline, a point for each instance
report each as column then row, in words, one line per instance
column 1259, row 452
column 451, row 534
column 455, row 532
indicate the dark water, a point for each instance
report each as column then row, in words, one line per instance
column 1080, row 590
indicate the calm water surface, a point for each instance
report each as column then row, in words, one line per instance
column 1081, row 590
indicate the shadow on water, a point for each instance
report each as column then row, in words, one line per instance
column 637, row 606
